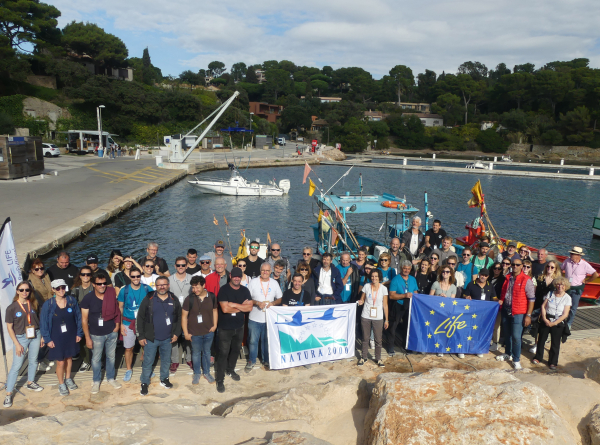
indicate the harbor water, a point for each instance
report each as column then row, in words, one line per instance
column 540, row 212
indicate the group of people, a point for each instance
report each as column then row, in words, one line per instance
column 208, row 308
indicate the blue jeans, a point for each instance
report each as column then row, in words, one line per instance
column 164, row 349
column 31, row 348
column 513, row 332
column 258, row 332
column 326, row 300
column 575, row 295
column 102, row 343
column 201, row 352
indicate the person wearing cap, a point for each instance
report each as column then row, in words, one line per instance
column 63, row 269
column 253, row 261
column 234, row 301
column 160, row 265
column 276, row 256
column 100, row 319
column 480, row 289
column 92, row 262
column 205, row 267
column 130, row 299
column 265, row 292
column 23, row 326
column 219, row 252
column 61, row 329
column 192, row 265
column 482, row 260
column 578, row 272
column 510, row 253
column 180, row 285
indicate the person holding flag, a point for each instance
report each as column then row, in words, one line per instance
column 23, row 326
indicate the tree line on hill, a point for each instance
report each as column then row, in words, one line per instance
column 557, row 103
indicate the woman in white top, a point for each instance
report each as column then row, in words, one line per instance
column 245, row 278
column 149, row 277
column 555, row 310
column 374, row 299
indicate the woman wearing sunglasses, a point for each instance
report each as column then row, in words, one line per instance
column 308, row 283
column 41, row 282
column 23, row 326
column 123, row 278
column 245, row 278
column 60, row 324
column 443, row 287
column 434, row 261
column 545, row 286
column 149, row 277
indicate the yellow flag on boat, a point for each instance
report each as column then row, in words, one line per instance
column 320, row 215
column 311, row 187
column 477, row 199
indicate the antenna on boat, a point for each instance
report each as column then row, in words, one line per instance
column 361, row 188
column 345, row 174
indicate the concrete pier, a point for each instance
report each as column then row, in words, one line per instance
column 548, row 175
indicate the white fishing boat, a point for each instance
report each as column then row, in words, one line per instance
column 237, row 185
column 478, row 165
column 506, row 159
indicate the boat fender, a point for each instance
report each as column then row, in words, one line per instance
column 393, row 204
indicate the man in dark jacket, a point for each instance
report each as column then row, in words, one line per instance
column 328, row 281
column 158, row 324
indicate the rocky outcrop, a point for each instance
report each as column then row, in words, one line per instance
column 315, row 403
column 459, row 407
column 333, row 154
column 593, row 370
column 594, row 426
column 289, row 438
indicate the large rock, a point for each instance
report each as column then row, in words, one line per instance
column 308, row 402
column 594, row 426
column 460, row 407
column 593, row 370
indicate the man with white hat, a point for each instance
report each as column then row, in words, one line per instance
column 578, row 272
column 205, row 268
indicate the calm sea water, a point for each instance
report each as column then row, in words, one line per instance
column 557, row 213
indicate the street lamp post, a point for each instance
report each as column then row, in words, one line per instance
column 251, row 133
column 99, row 115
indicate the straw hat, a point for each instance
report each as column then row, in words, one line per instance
column 577, row 251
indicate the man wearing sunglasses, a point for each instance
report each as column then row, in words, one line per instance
column 63, row 270
column 180, row 285
column 276, row 256
column 205, row 269
column 130, row 299
column 517, row 299
column 307, row 253
column 100, row 319
column 253, row 261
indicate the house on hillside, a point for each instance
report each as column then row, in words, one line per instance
column 108, row 71
column 318, row 124
column 267, row 111
column 420, row 107
column 260, row 75
column 375, row 116
column 427, row 119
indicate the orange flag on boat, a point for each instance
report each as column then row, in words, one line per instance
column 306, row 172
column 215, row 220
column 334, row 236
column 311, row 187
column 477, row 199
column 269, row 238
column 338, row 215
column 225, row 220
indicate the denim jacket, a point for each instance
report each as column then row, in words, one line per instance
column 47, row 315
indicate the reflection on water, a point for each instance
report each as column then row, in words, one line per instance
column 537, row 211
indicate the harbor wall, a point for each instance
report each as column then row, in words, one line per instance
column 560, row 151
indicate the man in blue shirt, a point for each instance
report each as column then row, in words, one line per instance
column 402, row 288
column 350, row 278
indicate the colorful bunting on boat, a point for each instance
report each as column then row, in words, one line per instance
column 216, row 223
column 478, row 197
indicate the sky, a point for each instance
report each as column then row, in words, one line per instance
column 375, row 35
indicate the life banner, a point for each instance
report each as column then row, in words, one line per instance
column 450, row 325
column 10, row 274
column 310, row 334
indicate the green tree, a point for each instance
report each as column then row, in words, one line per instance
column 470, row 89
column 190, row 77
column 290, row 67
column 327, row 70
column 448, row 105
column 575, row 125
column 516, row 86
column 148, row 71
column 551, row 137
column 278, row 82
column 552, row 85
column 477, row 70
column 491, row 142
column 514, row 120
column 409, row 130
column 404, row 79
column 216, row 68
column 425, row 83
column 355, row 135
column 27, row 22
column 67, row 72
column 251, row 76
column 238, row 71
column 104, row 48
column 6, row 124
column 319, row 85
column 295, row 116
column 524, row 68
column 500, row 71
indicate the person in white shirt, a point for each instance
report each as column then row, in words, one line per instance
column 265, row 292
column 149, row 276
column 374, row 299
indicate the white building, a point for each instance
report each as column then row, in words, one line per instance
column 429, row 120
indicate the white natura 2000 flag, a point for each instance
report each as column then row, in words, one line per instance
column 10, row 274
column 310, row 334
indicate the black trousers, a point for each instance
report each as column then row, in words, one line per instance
column 555, row 340
column 230, row 343
column 398, row 315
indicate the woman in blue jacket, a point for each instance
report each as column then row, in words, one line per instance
column 61, row 329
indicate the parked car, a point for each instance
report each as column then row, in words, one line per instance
column 50, row 150
column 281, row 141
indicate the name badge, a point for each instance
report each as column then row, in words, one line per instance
column 348, row 287
column 571, row 280
column 30, row 331
column 63, row 328
column 483, row 295
column 100, row 322
column 135, row 313
column 199, row 319
column 181, row 298
column 233, row 315
column 168, row 321
column 373, row 312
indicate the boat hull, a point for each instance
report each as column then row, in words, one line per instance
column 216, row 188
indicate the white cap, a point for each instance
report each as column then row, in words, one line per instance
column 56, row 283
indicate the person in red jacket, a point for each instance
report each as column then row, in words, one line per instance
column 217, row 279
column 517, row 299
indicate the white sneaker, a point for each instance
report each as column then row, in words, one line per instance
column 517, row 365
column 439, row 354
column 461, row 355
column 533, row 350
column 95, row 387
column 114, row 384
column 372, row 344
column 479, row 355
column 503, row 358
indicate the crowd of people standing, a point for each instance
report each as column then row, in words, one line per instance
column 208, row 308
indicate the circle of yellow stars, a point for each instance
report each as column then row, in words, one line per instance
column 454, row 303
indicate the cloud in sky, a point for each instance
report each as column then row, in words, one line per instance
column 375, row 35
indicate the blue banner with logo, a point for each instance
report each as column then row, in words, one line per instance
column 450, row 325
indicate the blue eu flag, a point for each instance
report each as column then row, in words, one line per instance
column 450, row 325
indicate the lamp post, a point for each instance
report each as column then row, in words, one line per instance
column 99, row 115
column 252, row 133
